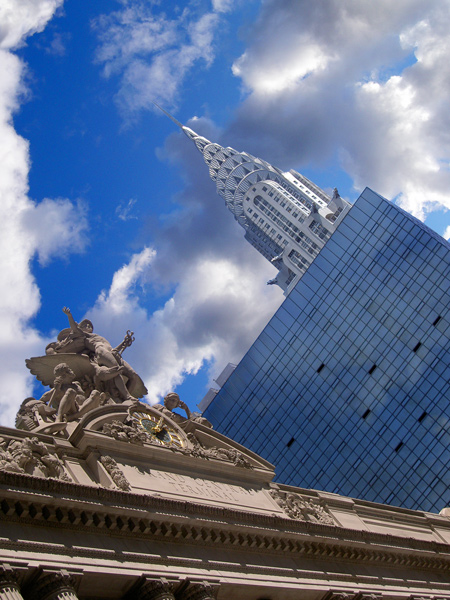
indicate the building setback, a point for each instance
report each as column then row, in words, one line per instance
column 347, row 388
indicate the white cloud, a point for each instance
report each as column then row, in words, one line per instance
column 57, row 46
column 24, row 227
column 219, row 300
column 153, row 54
column 22, row 18
column 55, row 228
column 223, row 6
column 215, row 313
column 124, row 210
column 371, row 79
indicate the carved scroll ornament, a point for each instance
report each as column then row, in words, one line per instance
column 298, row 508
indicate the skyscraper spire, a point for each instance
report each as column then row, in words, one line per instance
column 286, row 217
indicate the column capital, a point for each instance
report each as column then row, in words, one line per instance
column 153, row 589
column 9, row 583
column 199, row 591
column 54, row 585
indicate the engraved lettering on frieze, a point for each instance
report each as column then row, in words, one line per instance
column 32, row 457
column 198, row 487
column 116, row 474
column 297, row 507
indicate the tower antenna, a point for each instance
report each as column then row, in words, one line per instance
column 169, row 115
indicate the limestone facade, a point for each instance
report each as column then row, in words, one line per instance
column 115, row 506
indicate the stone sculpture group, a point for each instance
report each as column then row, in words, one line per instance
column 84, row 372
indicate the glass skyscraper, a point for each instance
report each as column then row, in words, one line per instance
column 347, row 389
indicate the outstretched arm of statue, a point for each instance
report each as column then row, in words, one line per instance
column 127, row 341
column 73, row 324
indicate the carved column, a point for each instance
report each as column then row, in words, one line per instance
column 154, row 589
column 9, row 586
column 53, row 586
column 198, row 591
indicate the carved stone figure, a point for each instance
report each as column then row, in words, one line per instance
column 32, row 457
column 66, row 401
column 83, row 371
column 171, row 401
column 297, row 507
column 7, row 461
column 107, row 361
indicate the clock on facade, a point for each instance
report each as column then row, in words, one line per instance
column 160, row 430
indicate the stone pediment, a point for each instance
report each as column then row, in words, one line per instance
column 153, row 451
column 140, row 424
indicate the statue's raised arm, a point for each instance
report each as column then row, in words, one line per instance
column 73, row 324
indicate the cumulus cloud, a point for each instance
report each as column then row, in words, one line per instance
column 212, row 316
column 22, row 18
column 55, row 227
column 24, row 231
column 220, row 301
column 151, row 53
column 368, row 79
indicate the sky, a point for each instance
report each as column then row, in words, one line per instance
column 108, row 208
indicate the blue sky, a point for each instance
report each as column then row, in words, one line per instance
column 108, row 209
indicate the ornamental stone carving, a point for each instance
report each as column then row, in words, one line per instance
column 9, row 584
column 298, row 508
column 157, row 589
column 32, row 457
column 232, row 455
column 84, row 372
column 130, row 431
column 172, row 401
column 126, row 432
column 115, row 473
column 197, row 450
column 53, row 586
column 199, row 591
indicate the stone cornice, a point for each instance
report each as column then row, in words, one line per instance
column 294, row 572
column 51, row 503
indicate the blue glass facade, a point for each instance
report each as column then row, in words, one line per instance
column 347, row 389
